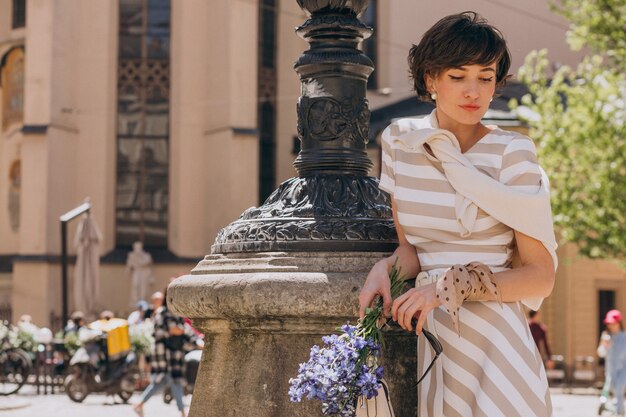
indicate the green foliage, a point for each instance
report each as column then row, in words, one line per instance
column 599, row 24
column 141, row 337
column 580, row 128
column 71, row 343
column 12, row 336
column 582, row 145
column 24, row 340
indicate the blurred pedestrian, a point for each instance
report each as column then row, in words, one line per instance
column 166, row 366
column 612, row 348
column 540, row 335
column 138, row 315
column 157, row 301
column 75, row 323
column 106, row 315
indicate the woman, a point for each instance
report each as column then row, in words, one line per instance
column 166, row 360
column 465, row 197
column 612, row 347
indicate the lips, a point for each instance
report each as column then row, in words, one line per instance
column 470, row 107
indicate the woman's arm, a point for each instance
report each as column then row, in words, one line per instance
column 377, row 282
column 175, row 325
column 535, row 278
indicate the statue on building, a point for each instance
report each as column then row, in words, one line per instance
column 139, row 265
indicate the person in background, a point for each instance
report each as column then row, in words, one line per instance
column 75, row 323
column 540, row 335
column 166, row 361
column 106, row 315
column 612, row 348
column 157, row 301
column 139, row 315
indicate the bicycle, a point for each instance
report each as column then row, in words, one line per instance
column 15, row 367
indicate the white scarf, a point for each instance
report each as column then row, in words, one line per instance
column 530, row 214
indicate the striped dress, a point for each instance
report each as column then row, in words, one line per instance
column 493, row 368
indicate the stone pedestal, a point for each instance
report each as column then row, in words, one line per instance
column 261, row 314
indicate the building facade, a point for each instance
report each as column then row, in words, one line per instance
column 173, row 117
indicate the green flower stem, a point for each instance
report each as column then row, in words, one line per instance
column 368, row 327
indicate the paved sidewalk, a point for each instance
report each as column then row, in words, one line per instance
column 574, row 403
column 28, row 404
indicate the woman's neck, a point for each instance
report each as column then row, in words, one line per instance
column 467, row 135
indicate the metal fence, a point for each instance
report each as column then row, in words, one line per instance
column 6, row 313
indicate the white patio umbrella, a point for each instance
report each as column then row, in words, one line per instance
column 87, row 270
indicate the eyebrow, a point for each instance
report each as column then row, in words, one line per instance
column 485, row 69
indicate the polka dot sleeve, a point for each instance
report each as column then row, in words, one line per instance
column 471, row 282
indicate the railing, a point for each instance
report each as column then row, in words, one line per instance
column 6, row 313
column 50, row 366
column 583, row 372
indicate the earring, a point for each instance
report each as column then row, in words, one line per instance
column 433, row 96
column 491, row 99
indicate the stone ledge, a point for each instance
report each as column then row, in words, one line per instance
column 273, row 286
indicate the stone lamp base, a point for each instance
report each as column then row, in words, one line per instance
column 262, row 312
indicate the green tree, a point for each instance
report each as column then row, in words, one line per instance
column 577, row 118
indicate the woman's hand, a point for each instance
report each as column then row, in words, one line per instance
column 416, row 302
column 376, row 284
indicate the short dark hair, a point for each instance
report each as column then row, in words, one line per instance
column 456, row 40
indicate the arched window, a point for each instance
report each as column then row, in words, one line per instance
column 12, row 68
column 143, row 123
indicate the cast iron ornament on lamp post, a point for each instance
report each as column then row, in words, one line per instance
column 332, row 204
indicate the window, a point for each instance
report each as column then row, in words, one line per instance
column 267, row 94
column 15, row 180
column 606, row 302
column 143, row 123
column 19, row 14
column 12, row 87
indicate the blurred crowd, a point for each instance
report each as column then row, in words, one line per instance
column 150, row 350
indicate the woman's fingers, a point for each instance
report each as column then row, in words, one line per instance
column 407, row 307
column 398, row 302
column 405, row 314
column 366, row 297
column 421, row 319
column 365, row 300
column 411, row 305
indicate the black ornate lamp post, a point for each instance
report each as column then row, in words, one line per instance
column 289, row 271
column 332, row 204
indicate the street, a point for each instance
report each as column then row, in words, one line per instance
column 580, row 403
column 28, row 404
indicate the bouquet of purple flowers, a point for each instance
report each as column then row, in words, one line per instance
column 347, row 366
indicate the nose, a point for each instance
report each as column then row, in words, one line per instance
column 471, row 91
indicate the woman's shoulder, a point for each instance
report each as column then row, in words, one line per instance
column 509, row 140
column 405, row 125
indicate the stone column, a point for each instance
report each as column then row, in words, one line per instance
column 288, row 272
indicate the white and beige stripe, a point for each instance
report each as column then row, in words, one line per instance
column 494, row 371
column 426, row 202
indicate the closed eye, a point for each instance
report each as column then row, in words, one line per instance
column 452, row 77
column 487, row 80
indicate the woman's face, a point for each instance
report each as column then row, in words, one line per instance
column 613, row 327
column 464, row 93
